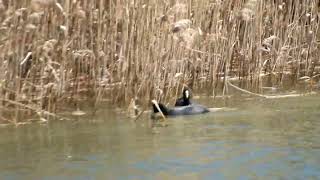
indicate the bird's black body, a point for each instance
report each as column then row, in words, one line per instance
column 191, row 109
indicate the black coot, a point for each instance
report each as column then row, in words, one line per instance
column 191, row 109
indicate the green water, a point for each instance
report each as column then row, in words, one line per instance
column 259, row 139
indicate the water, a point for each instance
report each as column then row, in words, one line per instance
column 259, row 139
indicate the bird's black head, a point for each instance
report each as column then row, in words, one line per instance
column 186, row 94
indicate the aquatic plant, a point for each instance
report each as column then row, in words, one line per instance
column 57, row 51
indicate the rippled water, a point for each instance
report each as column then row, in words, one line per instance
column 259, row 139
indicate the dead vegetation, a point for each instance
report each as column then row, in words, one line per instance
column 52, row 51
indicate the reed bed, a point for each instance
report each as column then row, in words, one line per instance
column 58, row 51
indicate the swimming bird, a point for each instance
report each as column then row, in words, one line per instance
column 185, row 99
column 190, row 109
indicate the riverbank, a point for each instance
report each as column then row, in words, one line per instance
column 59, row 51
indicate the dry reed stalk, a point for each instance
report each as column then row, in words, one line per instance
column 123, row 49
column 268, row 96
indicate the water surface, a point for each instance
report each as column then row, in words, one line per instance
column 259, row 139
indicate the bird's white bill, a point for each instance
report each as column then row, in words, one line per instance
column 187, row 93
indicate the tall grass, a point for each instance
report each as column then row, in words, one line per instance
column 57, row 50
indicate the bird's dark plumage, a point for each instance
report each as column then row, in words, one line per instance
column 191, row 109
column 185, row 99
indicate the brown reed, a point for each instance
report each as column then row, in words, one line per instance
column 52, row 51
